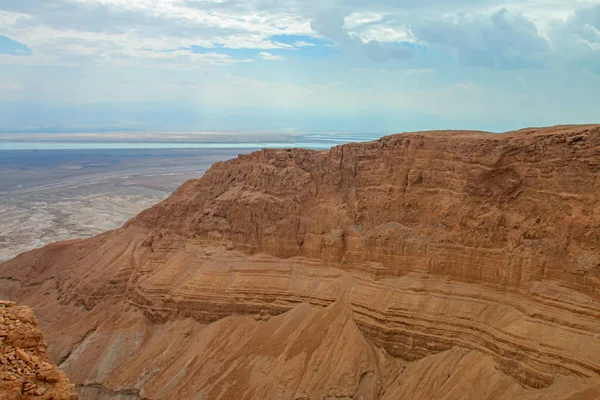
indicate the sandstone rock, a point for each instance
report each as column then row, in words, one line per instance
column 45, row 366
column 50, row 375
column 29, row 386
column 460, row 265
column 23, row 355
column 18, row 364
column 40, row 391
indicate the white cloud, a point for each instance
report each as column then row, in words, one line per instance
column 11, row 18
column 355, row 20
column 264, row 55
column 420, row 71
column 302, row 43
column 475, row 32
column 501, row 40
column 379, row 27
column 121, row 31
column 35, row 59
column 466, row 86
column 12, row 87
column 332, row 25
column 70, row 47
column 367, row 70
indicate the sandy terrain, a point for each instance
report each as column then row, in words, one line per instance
column 48, row 196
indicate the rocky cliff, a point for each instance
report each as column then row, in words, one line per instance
column 437, row 265
column 25, row 370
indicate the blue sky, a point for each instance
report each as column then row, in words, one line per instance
column 308, row 65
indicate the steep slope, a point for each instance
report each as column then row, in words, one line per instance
column 470, row 251
column 304, row 353
column 470, row 375
column 25, row 371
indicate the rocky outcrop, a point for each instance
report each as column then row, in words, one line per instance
column 460, row 248
column 25, row 370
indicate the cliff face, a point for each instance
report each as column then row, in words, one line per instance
column 25, row 370
column 465, row 263
column 519, row 206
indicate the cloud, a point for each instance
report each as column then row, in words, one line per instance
column 75, row 31
column 163, row 45
column 576, row 40
column 264, row 55
column 466, row 86
column 500, row 40
column 420, row 71
column 331, row 25
column 12, row 87
column 591, row 74
column 302, row 43
column 367, row 70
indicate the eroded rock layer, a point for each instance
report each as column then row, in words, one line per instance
column 25, row 370
column 367, row 271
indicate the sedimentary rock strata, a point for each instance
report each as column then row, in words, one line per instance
column 438, row 265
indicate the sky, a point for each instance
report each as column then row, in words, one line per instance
column 376, row 66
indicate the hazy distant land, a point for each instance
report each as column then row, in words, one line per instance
column 52, row 195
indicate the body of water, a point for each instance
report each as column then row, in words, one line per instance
column 157, row 145
column 308, row 141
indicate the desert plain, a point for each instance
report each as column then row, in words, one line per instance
column 54, row 195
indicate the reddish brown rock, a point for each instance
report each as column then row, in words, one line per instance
column 52, row 375
column 16, row 378
column 436, row 265
column 23, row 355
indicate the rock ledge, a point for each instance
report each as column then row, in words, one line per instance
column 25, row 370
